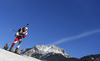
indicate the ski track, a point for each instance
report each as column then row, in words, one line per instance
column 9, row 56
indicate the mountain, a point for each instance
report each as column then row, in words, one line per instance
column 44, row 52
column 86, row 58
column 91, row 58
column 54, row 53
column 9, row 56
column 60, row 57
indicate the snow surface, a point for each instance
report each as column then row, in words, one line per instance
column 9, row 56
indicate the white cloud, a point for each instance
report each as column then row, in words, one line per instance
column 75, row 37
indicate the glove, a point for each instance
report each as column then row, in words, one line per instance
column 24, row 36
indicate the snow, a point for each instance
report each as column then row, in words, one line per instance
column 46, row 49
column 9, row 56
column 51, row 49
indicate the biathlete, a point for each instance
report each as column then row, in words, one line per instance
column 21, row 33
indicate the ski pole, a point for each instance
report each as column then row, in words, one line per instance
column 16, row 31
column 13, row 30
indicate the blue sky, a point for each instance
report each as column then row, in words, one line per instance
column 55, row 22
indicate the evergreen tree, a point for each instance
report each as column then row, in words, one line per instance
column 6, row 46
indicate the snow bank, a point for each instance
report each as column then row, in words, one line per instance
column 9, row 56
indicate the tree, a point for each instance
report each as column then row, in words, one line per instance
column 6, row 46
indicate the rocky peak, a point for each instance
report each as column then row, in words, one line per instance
column 40, row 51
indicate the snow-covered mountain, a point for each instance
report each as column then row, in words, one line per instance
column 44, row 52
column 9, row 56
column 54, row 53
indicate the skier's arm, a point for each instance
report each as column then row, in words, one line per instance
column 25, row 35
column 17, row 34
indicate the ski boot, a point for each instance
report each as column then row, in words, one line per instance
column 16, row 51
column 10, row 49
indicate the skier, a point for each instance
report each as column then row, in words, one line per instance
column 21, row 33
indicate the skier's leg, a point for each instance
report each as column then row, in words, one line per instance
column 20, row 40
column 16, row 39
column 19, row 44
